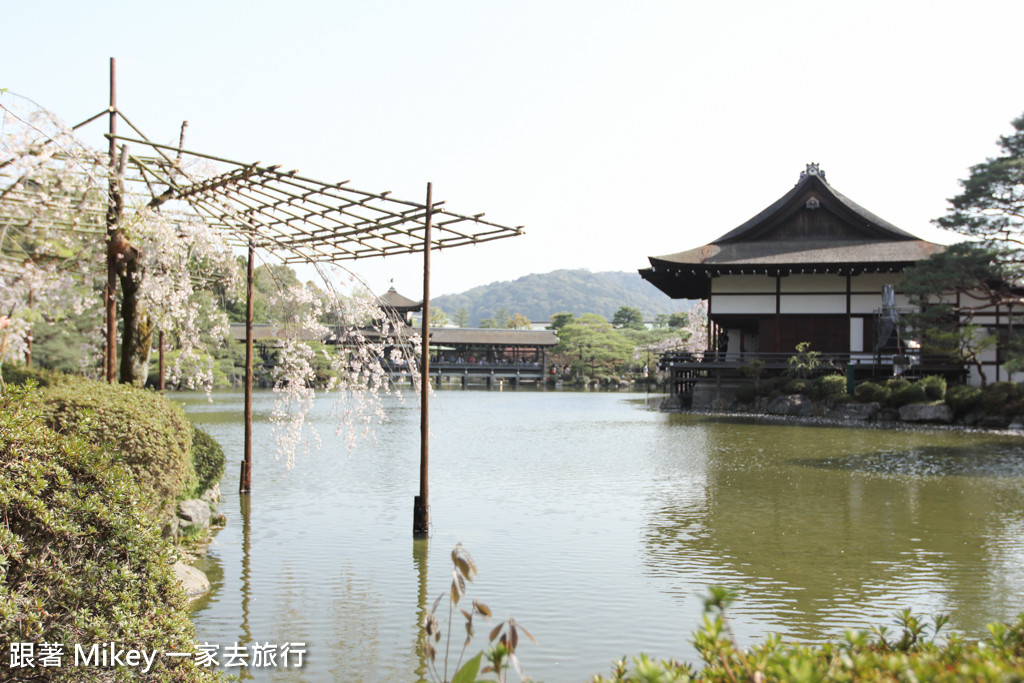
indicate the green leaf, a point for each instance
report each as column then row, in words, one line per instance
column 469, row 670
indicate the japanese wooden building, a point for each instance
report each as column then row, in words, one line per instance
column 811, row 267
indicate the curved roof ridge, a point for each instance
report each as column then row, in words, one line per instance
column 814, row 178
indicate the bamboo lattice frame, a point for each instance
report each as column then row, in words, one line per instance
column 298, row 219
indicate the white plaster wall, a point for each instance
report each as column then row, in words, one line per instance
column 742, row 284
column 856, row 335
column 813, row 283
column 755, row 303
column 807, row 303
column 865, row 303
column 872, row 282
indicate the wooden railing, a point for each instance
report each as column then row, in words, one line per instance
column 913, row 361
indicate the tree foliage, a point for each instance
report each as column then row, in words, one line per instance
column 991, row 205
column 594, row 345
column 949, row 289
column 559, row 320
column 438, row 318
column 627, row 316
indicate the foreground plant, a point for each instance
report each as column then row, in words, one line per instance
column 913, row 652
column 503, row 638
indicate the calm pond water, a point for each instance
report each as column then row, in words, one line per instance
column 598, row 523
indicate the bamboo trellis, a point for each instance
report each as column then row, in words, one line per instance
column 296, row 218
column 300, row 218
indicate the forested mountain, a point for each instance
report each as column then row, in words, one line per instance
column 539, row 296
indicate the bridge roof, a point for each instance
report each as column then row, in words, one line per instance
column 492, row 337
column 438, row 335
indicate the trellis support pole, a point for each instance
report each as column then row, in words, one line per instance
column 421, row 504
column 110, row 358
column 245, row 480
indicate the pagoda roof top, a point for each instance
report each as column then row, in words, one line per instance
column 392, row 299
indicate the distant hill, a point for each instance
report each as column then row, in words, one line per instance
column 539, row 296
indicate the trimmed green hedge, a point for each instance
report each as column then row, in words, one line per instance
column 80, row 560
column 905, row 394
column 207, row 458
column 830, row 386
column 147, row 432
column 963, row 399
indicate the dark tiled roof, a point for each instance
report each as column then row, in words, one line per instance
column 778, row 253
column 814, row 183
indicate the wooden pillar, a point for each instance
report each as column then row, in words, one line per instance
column 998, row 344
column 421, row 504
column 245, row 480
column 778, row 313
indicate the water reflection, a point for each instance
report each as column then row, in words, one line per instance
column 982, row 459
column 420, row 548
column 244, row 511
column 821, row 528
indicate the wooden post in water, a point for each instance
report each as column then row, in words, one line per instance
column 421, row 504
column 245, row 480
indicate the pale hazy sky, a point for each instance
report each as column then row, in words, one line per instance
column 611, row 130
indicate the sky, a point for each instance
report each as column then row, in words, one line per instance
column 612, row 131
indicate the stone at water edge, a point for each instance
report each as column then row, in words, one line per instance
column 195, row 513
column 855, row 411
column 193, row 581
column 920, row 412
column 796, row 405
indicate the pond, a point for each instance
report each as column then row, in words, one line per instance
column 598, row 523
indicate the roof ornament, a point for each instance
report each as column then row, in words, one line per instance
column 812, row 169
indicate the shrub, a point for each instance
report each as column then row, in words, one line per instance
column 1002, row 398
column 871, row 392
column 207, row 459
column 894, row 384
column 147, row 432
column 745, row 393
column 914, row 653
column 798, row 386
column 963, row 399
column 21, row 374
column 909, row 393
column 830, row 386
column 81, row 561
column 776, row 385
column 934, row 387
